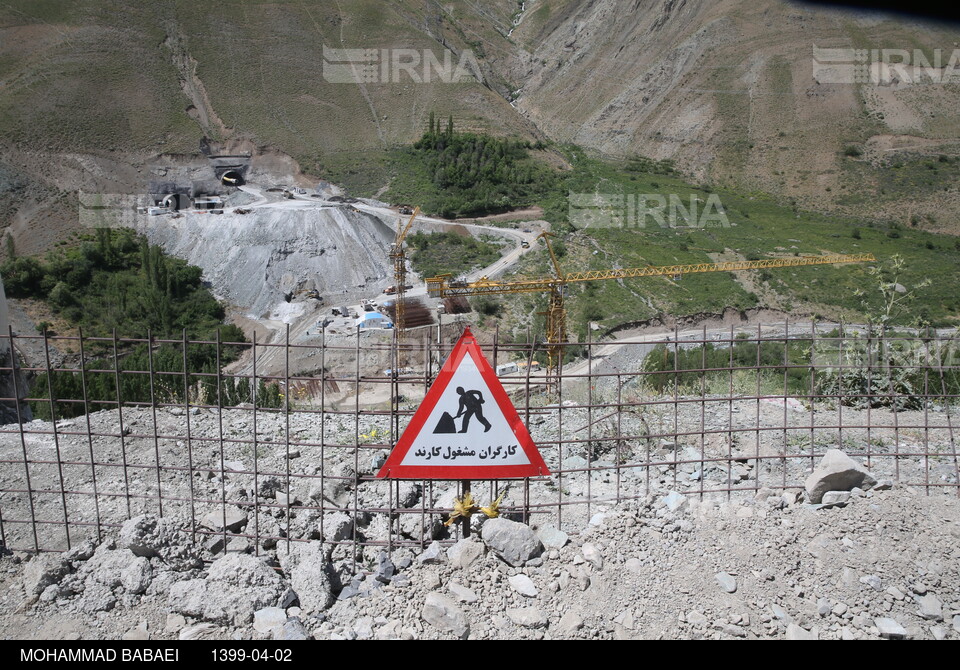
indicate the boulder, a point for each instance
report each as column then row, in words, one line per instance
column 515, row 543
column 837, row 472
column 443, row 613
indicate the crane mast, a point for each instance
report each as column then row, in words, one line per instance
column 399, row 257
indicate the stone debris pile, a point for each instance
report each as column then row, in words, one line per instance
column 776, row 565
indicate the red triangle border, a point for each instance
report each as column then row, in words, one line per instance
column 466, row 345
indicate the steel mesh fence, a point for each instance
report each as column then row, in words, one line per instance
column 257, row 444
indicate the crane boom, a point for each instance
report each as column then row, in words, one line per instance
column 443, row 286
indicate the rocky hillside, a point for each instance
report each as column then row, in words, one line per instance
column 257, row 259
column 726, row 90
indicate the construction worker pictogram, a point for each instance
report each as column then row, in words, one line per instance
column 466, row 427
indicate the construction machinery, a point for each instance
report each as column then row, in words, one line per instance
column 399, row 257
column 444, row 286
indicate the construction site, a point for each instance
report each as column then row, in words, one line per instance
column 274, row 457
column 511, row 320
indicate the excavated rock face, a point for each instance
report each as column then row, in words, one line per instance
column 255, row 260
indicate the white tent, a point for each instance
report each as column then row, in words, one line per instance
column 373, row 320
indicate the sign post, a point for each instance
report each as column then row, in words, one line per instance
column 466, row 428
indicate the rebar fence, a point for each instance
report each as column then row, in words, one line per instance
column 256, row 444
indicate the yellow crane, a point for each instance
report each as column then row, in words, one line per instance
column 444, row 286
column 399, row 257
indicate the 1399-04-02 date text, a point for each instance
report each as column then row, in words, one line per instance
column 243, row 655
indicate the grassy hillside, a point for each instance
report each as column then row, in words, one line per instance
column 760, row 227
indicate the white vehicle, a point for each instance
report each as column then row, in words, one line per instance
column 506, row 369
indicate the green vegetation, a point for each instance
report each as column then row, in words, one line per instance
column 666, row 367
column 899, row 370
column 446, row 170
column 450, row 253
column 464, row 174
column 115, row 281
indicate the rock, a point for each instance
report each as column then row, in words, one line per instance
column 288, row 599
column 889, row 628
column 465, row 553
column 575, row 463
column 116, row 568
column 286, row 499
column 431, row 581
column 956, row 623
column 337, row 527
column 136, row 576
column 137, row 634
column 237, row 585
column 215, row 544
column 727, row 582
column 442, row 612
column 569, row 624
column 268, row 487
column 930, row 607
column 432, row 554
column 363, row 628
column 462, row 593
column 292, row 630
column 895, row 593
column 552, row 538
column 174, row 623
column 592, row 555
column 780, row 613
column 634, row 565
column 81, row 552
column 835, row 498
column 872, row 581
column 230, row 519
column 730, row 629
column 311, row 578
column 167, row 538
column 42, row 571
column 674, row 501
column 523, row 585
column 268, row 618
column 513, row 542
column 385, row 568
column 527, row 617
column 200, row 631
column 836, row 472
column 598, row 519
column 795, row 632
column 695, row 618
column 97, row 597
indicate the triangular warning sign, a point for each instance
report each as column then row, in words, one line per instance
column 466, row 427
